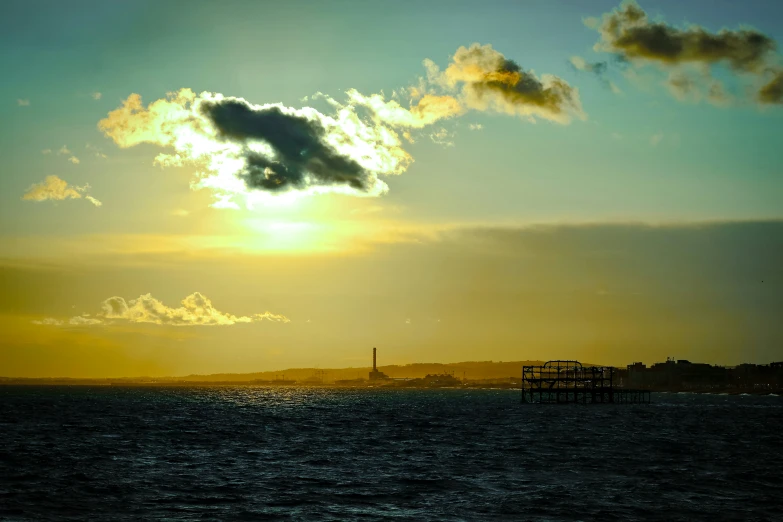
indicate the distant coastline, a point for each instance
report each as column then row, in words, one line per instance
column 671, row 377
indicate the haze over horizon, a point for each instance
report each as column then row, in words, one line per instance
column 268, row 186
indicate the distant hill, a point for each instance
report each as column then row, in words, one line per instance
column 471, row 370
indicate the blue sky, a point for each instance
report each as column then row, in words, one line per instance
column 710, row 163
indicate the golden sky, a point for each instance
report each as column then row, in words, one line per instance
column 595, row 182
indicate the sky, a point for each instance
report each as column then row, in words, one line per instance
column 204, row 187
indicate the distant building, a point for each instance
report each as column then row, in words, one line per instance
column 682, row 374
column 375, row 375
column 444, row 379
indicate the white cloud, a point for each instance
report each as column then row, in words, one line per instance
column 93, row 201
column 426, row 111
column 84, row 320
column 443, row 137
column 343, row 152
column 97, row 152
column 23, row 103
column 46, row 151
column 475, row 126
column 52, row 188
column 179, row 212
column 655, row 139
column 65, row 151
column 55, row 189
column 196, row 309
column 486, row 80
column 96, row 95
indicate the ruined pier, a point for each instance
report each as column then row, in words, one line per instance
column 568, row 382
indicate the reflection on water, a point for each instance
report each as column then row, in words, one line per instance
column 322, row 454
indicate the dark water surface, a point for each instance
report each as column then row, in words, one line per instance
column 255, row 453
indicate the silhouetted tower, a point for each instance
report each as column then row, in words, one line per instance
column 375, row 374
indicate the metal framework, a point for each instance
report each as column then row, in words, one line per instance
column 568, row 382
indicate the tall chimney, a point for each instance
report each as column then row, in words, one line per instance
column 374, row 368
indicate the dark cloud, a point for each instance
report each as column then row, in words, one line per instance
column 492, row 81
column 511, row 82
column 598, row 69
column 633, row 38
column 628, row 32
column 246, row 151
column 298, row 145
column 697, row 87
column 772, row 92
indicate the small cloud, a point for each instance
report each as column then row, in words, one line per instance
column 46, row 151
column 196, row 309
column 96, row 95
column 598, row 69
column 487, row 81
column 49, row 321
column 52, row 188
column 475, row 126
column 772, row 91
column 636, row 40
column 95, row 150
column 655, row 139
column 65, row 151
column 23, row 103
column 580, row 64
column 179, row 212
column 443, row 137
column 84, row 320
column 428, row 110
column 56, row 189
column 407, row 321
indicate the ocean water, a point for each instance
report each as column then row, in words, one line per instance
column 257, row 453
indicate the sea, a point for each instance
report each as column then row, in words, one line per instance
column 288, row 453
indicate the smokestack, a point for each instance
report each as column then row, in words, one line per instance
column 374, row 368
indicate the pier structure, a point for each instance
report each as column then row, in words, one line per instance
column 568, row 382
